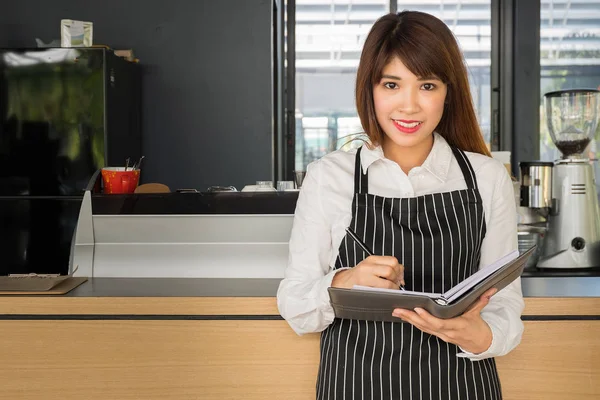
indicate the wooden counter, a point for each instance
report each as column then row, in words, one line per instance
column 222, row 347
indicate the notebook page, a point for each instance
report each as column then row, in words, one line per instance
column 397, row 291
column 480, row 275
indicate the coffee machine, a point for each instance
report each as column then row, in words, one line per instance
column 563, row 192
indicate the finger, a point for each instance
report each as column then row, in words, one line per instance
column 400, row 269
column 399, row 274
column 386, row 272
column 376, row 281
column 437, row 324
column 396, row 312
column 394, row 273
column 401, row 313
column 389, row 262
column 383, row 260
column 426, row 321
column 478, row 306
column 414, row 319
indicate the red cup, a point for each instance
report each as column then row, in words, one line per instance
column 118, row 181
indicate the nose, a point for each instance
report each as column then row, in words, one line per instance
column 408, row 101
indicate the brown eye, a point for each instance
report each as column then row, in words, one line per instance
column 428, row 86
column 390, row 85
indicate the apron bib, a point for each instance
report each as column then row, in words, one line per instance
column 437, row 237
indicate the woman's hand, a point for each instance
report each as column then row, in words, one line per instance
column 469, row 331
column 373, row 271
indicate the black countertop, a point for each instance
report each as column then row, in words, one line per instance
column 176, row 287
column 533, row 286
column 195, row 203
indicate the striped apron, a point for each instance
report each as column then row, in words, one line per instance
column 437, row 237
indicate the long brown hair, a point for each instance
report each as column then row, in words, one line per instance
column 428, row 48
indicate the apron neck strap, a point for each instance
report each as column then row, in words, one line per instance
column 466, row 168
column 361, row 181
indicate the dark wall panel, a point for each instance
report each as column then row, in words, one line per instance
column 207, row 81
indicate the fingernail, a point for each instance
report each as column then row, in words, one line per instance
column 418, row 310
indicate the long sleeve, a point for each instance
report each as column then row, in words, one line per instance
column 302, row 297
column 503, row 312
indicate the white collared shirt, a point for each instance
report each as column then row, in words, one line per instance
column 323, row 212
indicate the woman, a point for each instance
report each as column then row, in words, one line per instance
column 428, row 198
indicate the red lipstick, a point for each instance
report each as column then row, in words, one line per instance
column 405, row 129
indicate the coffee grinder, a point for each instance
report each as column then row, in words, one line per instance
column 564, row 191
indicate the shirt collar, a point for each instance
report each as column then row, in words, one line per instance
column 437, row 162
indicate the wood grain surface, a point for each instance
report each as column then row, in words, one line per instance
column 245, row 360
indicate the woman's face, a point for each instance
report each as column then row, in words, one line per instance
column 408, row 107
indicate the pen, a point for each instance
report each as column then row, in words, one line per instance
column 362, row 245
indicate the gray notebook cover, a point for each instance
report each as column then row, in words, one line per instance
column 378, row 306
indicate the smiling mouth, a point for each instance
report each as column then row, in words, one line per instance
column 407, row 124
column 407, row 127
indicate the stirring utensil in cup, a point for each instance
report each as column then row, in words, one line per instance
column 138, row 164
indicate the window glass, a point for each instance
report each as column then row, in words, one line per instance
column 569, row 58
column 329, row 38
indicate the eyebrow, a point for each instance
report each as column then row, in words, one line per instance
column 424, row 78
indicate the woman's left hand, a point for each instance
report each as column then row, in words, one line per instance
column 468, row 331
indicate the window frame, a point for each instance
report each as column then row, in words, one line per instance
column 515, row 83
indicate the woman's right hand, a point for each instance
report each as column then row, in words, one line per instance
column 374, row 271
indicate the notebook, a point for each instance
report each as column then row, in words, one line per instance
column 376, row 304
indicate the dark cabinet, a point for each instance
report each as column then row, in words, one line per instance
column 64, row 113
